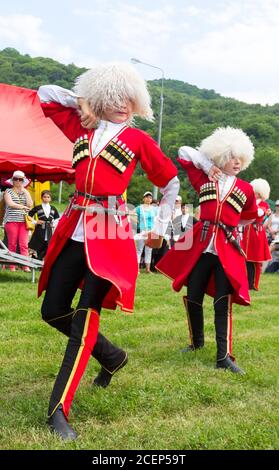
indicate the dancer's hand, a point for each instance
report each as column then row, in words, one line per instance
column 87, row 117
column 214, row 174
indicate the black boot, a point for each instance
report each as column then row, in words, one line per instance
column 104, row 377
column 194, row 313
column 223, row 325
column 228, row 363
column 223, row 314
column 58, row 424
column 107, row 354
column 111, row 359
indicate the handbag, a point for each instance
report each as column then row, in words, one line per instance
column 29, row 222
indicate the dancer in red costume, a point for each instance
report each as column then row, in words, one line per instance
column 255, row 242
column 93, row 245
column 209, row 259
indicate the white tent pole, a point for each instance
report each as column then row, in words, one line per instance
column 60, row 192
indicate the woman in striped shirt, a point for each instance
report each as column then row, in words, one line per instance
column 18, row 203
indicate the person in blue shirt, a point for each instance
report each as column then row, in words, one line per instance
column 146, row 214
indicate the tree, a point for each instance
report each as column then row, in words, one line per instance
column 190, row 114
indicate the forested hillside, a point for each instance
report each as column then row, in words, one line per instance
column 190, row 114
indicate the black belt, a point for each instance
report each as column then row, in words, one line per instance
column 91, row 197
column 257, row 225
column 227, row 229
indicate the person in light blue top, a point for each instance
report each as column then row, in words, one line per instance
column 146, row 214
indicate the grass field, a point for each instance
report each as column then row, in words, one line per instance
column 162, row 399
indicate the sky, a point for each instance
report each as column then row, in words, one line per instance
column 228, row 46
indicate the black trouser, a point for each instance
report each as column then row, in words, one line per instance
column 252, row 274
column 197, row 284
column 157, row 254
column 66, row 275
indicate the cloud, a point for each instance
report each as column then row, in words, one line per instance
column 22, row 28
column 130, row 30
column 25, row 33
column 239, row 54
column 229, row 46
column 262, row 97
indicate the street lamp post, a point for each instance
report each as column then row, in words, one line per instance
column 137, row 61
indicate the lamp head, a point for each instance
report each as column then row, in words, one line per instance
column 135, row 61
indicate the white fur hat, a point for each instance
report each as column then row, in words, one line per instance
column 226, row 142
column 261, row 187
column 111, row 84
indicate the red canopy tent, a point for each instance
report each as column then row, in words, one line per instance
column 30, row 142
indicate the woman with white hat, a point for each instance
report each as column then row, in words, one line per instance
column 18, row 203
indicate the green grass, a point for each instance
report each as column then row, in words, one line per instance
column 162, row 399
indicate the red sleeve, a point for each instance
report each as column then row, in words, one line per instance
column 264, row 206
column 65, row 118
column 158, row 167
column 250, row 209
column 196, row 176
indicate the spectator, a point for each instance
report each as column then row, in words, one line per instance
column 273, row 265
column 273, row 222
column 146, row 214
column 183, row 222
column 46, row 215
column 18, row 203
column 177, row 207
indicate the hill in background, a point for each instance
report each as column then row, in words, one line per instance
column 190, row 114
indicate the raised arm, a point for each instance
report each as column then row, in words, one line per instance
column 62, row 107
column 57, row 94
column 200, row 161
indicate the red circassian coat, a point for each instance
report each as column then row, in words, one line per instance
column 239, row 203
column 113, row 255
column 255, row 243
